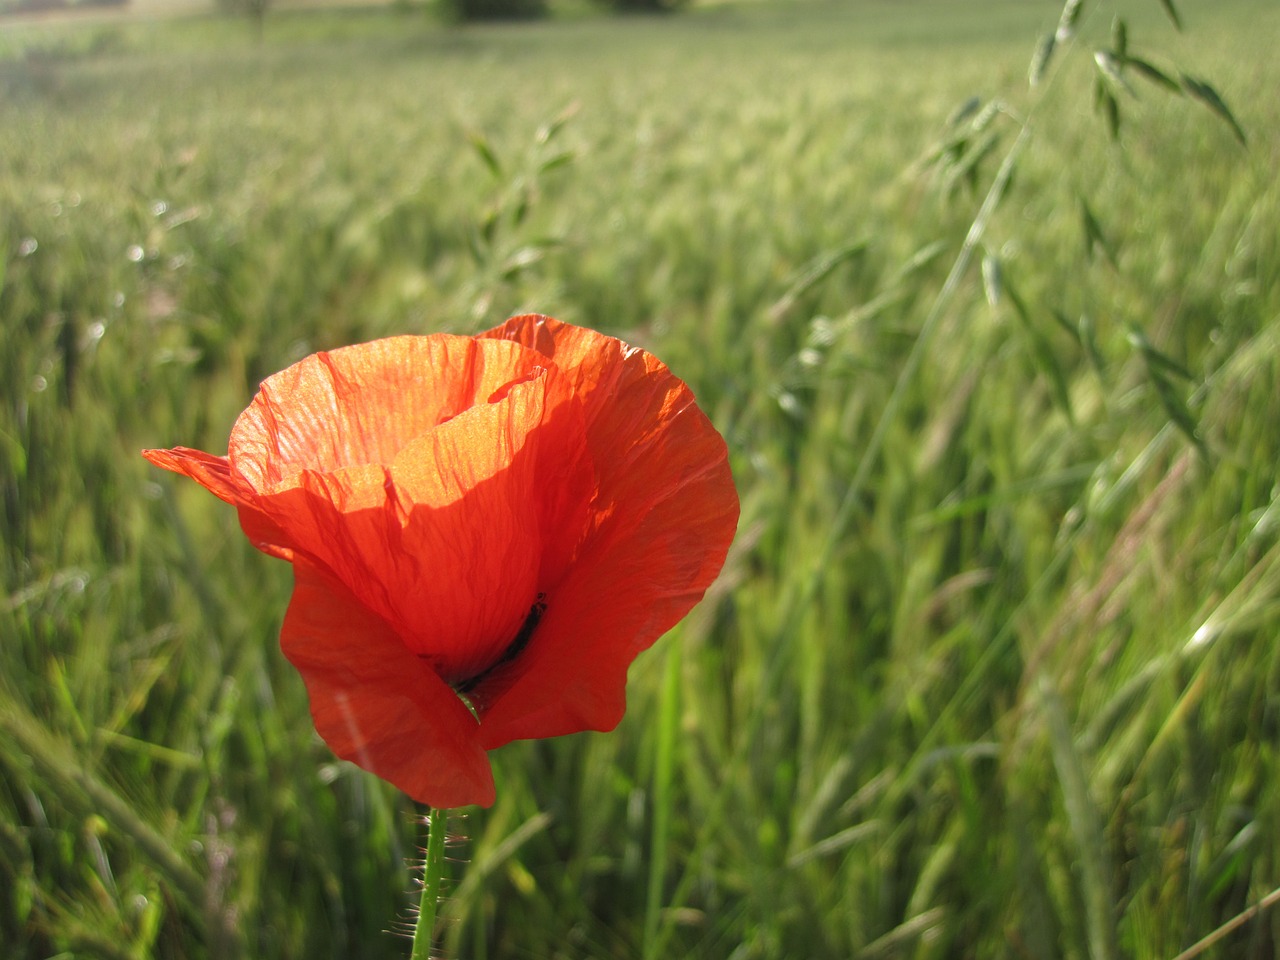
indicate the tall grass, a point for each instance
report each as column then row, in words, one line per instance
column 992, row 669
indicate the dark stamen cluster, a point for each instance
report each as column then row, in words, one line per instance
column 513, row 649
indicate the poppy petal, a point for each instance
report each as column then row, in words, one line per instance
column 665, row 513
column 217, row 476
column 447, row 542
column 363, row 404
column 477, row 533
column 212, row 473
column 378, row 705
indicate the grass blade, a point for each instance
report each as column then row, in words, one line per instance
column 484, row 150
column 1150, row 72
column 664, row 765
column 1086, row 827
column 1172, row 13
column 1207, row 95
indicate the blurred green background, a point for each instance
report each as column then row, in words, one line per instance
column 992, row 669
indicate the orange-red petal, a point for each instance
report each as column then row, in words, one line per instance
column 446, row 543
column 378, row 705
column 363, row 404
column 664, row 515
column 217, row 476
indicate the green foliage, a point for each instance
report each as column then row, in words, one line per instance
column 646, row 6
column 992, row 669
column 254, row 10
column 461, row 10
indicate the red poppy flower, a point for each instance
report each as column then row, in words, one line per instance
column 485, row 532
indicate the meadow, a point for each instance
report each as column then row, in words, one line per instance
column 992, row 669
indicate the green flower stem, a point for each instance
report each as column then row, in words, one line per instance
column 432, row 873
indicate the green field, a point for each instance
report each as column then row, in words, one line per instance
column 992, row 670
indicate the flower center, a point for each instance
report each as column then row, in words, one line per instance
column 511, row 651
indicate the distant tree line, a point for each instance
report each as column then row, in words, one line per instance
column 529, row 9
column 41, row 6
column 456, row 10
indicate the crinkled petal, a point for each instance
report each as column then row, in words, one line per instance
column 217, row 476
column 665, row 513
column 378, row 705
column 454, row 539
column 363, row 404
column 212, row 473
